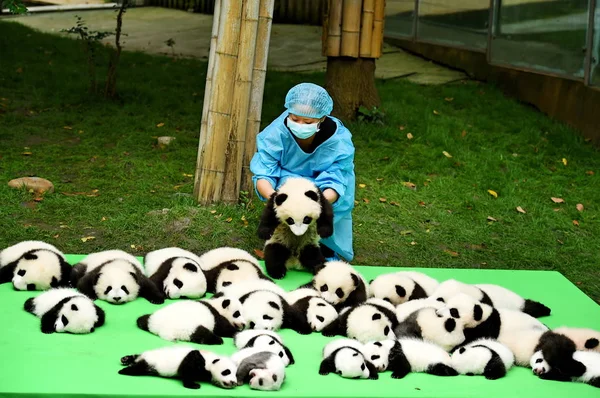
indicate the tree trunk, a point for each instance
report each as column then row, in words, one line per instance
column 351, row 84
column 111, row 78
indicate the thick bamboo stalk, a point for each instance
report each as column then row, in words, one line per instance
column 378, row 25
column 241, row 101
column 207, row 92
column 263, row 38
column 213, row 153
column 366, row 31
column 351, row 13
column 334, row 28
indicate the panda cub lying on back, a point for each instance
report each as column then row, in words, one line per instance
column 483, row 357
column 295, row 219
column 176, row 272
column 583, row 366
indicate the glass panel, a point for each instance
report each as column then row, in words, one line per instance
column 454, row 22
column 399, row 17
column 545, row 35
column 596, row 48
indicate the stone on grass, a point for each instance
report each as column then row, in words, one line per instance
column 37, row 184
column 165, row 140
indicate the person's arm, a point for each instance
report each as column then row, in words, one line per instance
column 265, row 164
column 264, row 188
column 331, row 195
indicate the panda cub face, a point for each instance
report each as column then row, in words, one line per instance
column 263, row 310
column 270, row 378
column 367, row 323
column 351, row 364
column 39, row 270
column 295, row 209
column 393, row 288
column 464, row 307
column 185, row 280
column 320, row 313
column 231, row 309
column 235, row 272
column 378, row 352
column 222, row 370
column 538, row 363
column 117, row 283
column 335, row 281
column 78, row 315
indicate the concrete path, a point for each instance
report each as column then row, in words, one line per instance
column 293, row 47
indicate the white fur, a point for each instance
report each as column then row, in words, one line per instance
column 420, row 354
column 233, row 312
column 266, row 340
column 580, row 336
column 337, row 275
column 256, row 307
column 245, row 272
column 381, row 303
column 502, row 297
column 242, row 338
column 299, row 294
column 320, row 313
column 242, row 288
column 165, row 360
column 590, row 359
column 45, row 301
column 351, row 364
column 222, row 369
column 473, row 359
column 407, row 308
column 12, row 253
column 384, row 286
column 38, row 272
column 116, row 275
column 178, row 321
column 362, row 327
column 156, row 258
column 339, row 343
column 180, row 282
column 94, row 260
column 433, row 328
column 522, row 343
column 273, row 366
column 215, row 257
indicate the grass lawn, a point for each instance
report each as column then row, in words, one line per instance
column 112, row 181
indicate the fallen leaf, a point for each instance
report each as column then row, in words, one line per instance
column 19, row 70
column 409, row 136
column 27, row 153
column 560, row 241
column 395, row 203
column 379, row 179
column 355, row 202
column 589, row 172
column 564, row 161
column 579, row 207
column 435, row 112
column 229, row 219
column 244, row 221
column 448, row 99
column 213, row 211
column 362, row 186
column 490, row 218
column 557, row 209
column 413, row 243
column 464, row 133
column 401, row 128
column 406, row 232
column 576, row 223
column 409, row 184
column 63, row 226
column 38, row 199
column 259, row 253
column 422, row 204
column 68, row 128
column 385, row 158
column 446, row 154
column 103, row 219
column 520, row 210
column 366, row 200
column 452, row 253
column 187, row 175
column 382, row 200
column 132, row 246
column 493, row 193
column 160, row 124
column 87, row 238
column 56, row 236
column 178, row 186
column 80, row 132
column 558, row 200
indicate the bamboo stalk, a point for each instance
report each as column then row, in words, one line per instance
column 263, row 38
column 241, row 101
column 351, row 28
column 214, row 151
column 378, row 25
column 334, row 28
column 207, row 92
column 366, row 31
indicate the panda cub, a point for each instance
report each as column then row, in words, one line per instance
column 114, row 276
column 265, row 340
column 584, row 339
column 370, row 321
column 226, row 266
column 339, row 284
column 403, row 286
column 176, row 272
column 319, row 313
column 293, row 222
column 185, row 363
column 585, row 368
column 34, row 265
column 407, row 355
column 65, row 310
column 483, row 357
column 405, row 309
column 493, row 295
column 426, row 324
column 262, row 370
column 345, row 358
column 201, row 322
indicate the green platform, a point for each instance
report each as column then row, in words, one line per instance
column 60, row 365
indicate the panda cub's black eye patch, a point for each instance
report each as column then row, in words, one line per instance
column 339, row 292
column 320, row 318
column 374, row 357
column 31, row 287
column 313, row 195
column 267, row 318
column 290, row 221
column 21, row 272
column 226, row 372
column 275, row 378
column 271, row 342
column 378, row 344
column 226, row 284
column 307, row 220
column 362, row 367
column 280, row 354
column 108, row 289
column 376, row 317
column 190, row 267
column 124, row 288
column 462, row 350
column 324, row 288
column 274, row 305
column 178, row 283
column 74, row 307
column 64, row 320
column 538, row 360
column 320, row 304
column 440, row 299
column 236, row 314
column 216, row 360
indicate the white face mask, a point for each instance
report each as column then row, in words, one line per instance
column 302, row 131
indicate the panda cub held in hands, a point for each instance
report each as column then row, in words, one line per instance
column 407, row 355
column 345, row 358
column 225, row 266
column 264, row 340
column 371, row 321
column 319, row 313
column 65, row 310
column 186, row 363
column 201, row 322
column 293, row 222
column 339, row 284
column 114, row 276
column 493, row 295
column 261, row 369
column 585, row 368
column 403, row 286
column 34, row 265
column 176, row 272
column 485, row 357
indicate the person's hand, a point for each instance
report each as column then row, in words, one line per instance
column 331, row 195
column 265, row 188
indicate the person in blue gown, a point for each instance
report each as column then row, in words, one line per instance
column 305, row 141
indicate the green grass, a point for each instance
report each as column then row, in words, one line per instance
column 507, row 147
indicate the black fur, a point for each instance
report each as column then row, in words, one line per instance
column 485, row 299
column 391, row 316
column 490, row 328
column 357, row 296
column 101, row 316
column 285, row 349
column 325, row 220
column 129, row 359
column 148, row 289
column 202, row 335
column 139, row 368
column 558, row 351
column 142, row 322
column 397, row 362
column 417, row 293
column 409, row 327
column 338, row 327
column 276, row 256
column 535, row 309
column 326, row 251
column 310, row 257
column 7, row 272
column 439, row 369
column 328, row 364
column 77, row 272
column 268, row 219
column 495, row 368
column 29, row 305
column 193, row 367
column 373, row 375
column 85, row 281
column 594, row 381
column 49, row 318
column 592, row 343
column 222, row 326
column 294, row 319
column 212, row 275
column 158, row 278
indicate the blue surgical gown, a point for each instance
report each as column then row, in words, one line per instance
column 331, row 165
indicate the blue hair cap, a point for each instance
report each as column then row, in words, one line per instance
column 308, row 100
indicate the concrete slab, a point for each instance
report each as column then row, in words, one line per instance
column 295, row 48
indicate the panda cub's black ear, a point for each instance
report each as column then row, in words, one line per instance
column 280, row 198
column 312, row 195
column 477, row 313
